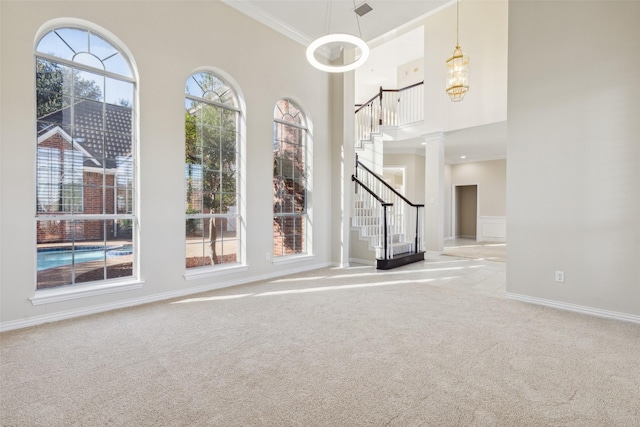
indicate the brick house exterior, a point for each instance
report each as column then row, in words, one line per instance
column 101, row 133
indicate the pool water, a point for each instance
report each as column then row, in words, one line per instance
column 57, row 257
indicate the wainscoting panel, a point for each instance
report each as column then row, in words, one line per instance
column 492, row 229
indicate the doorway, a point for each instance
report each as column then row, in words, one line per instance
column 465, row 211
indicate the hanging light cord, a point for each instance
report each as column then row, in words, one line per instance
column 357, row 19
column 338, row 38
column 327, row 18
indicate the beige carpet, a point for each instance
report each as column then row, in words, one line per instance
column 415, row 346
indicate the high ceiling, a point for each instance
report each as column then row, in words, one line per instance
column 306, row 20
column 381, row 69
column 387, row 28
column 393, row 32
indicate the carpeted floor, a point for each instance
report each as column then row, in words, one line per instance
column 430, row 344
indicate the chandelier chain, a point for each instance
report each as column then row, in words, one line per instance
column 457, row 22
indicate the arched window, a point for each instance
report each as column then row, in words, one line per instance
column 85, row 103
column 212, row 172
column 290, row 185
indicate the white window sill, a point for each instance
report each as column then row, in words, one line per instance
column 290, row 259
column 70, row 292
column 202, row 272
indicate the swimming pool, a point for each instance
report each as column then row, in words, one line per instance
column 57, row 257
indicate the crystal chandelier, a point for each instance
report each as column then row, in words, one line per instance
column 457, row 68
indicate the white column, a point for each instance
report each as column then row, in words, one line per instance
column 434, row 192
column 343, row 138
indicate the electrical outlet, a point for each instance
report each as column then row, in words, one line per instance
column 560, row 276
column 267, row 256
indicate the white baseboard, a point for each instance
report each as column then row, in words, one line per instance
column 339, row 265
column 575, row 308
column 433, row 253
column 362, row 261
column 85, row 311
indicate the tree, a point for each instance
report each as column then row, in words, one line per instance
column 53, row 91
column 289, row 176
column 210, row 156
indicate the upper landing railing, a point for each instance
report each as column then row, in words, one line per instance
column 389, row 107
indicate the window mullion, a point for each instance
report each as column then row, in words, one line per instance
column 84, row 67
column 215, row 122
column 85, row 212
column 289, row 176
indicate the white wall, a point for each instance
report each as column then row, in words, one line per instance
column 168, row 41
column 491, row 178
column 574, row 154
column 410, row 73
column 448, row 228
column 414, row 184
column 483, row 37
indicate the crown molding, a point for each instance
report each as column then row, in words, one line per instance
column 248, row 9
column 408, row 26
column 267, row 19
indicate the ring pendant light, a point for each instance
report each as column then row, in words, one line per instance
column 342, row 38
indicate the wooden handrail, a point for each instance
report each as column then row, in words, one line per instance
column 404, row 88
column 382, row 181
column 366, row 103
column 374, row 195
column 361, row 106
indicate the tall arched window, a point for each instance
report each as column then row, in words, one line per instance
column 290, row 185
column 85, row 215
column 212, row 172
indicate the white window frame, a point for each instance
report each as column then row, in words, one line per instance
column 307, row 167
column 237, row 210
column 95, row 287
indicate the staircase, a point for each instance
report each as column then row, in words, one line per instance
column 391, row 224
column 389, row 107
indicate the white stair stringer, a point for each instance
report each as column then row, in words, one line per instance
column 368, row 220
column 370, row 152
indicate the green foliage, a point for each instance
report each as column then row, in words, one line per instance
column 192, row 223
column 125, row 226
column 191, row 148
column 53, row 87
column 289, row 171
column 289, row 185
column 210, row 153
column 210, row 143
